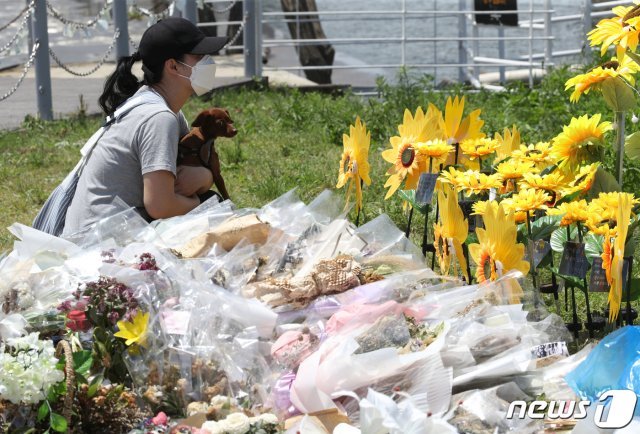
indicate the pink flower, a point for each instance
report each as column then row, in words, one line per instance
column 160, row 419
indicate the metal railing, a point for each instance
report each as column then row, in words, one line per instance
column 469, row 62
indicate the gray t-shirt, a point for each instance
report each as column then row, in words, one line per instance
column 142, row 141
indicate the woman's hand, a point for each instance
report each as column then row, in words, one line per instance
column 192, row 180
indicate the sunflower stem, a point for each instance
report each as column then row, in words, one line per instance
column 620, row 138
column 586, row 289
column 408, row 231
column 529, row 247
column 426, row 230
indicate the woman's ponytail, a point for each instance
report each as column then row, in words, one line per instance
column 120, row 85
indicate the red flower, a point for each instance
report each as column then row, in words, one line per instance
column 77, row 321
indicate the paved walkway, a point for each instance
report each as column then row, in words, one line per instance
column 67, row 89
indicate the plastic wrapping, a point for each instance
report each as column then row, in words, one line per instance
column 612, row 364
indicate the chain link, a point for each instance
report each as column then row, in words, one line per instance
column 236, row 36
column 26, row 8
column 92, row 70
column 224, row 9
column 133, row 44
column 8, row 45
column 148, row 13
column 24, row 73
column 76, row 24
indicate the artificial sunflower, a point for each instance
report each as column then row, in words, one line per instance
column 528, row 200
column 539, row 154
column 607, row 256
column 451, row 232
column 435, row 151
column 497, row 251
column 479, row 148
column 407, row 165
column 583, row 180
column 509, row 142
column 621, row 30
column 578, row 140
column 135, row 330
column 480, row 207
column 553, row 183
column 571, row 212
column 603, row 212
column 515, row 169
column 475, row 182
column 354, row 166
column 623, row 215
column 593, row 79
column 453, row 177
column 454, row 127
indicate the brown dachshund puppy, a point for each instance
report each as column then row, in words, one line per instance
column 198, row 147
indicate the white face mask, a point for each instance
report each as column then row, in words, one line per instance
column 202, row 75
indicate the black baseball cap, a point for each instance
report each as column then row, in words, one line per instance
column 173, row 37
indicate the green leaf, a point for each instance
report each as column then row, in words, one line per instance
column 632, row 145
column 544, row 226
column 604, row 182
column 547, row 170
column 410, row 196
column 634, row 56
column 635, row 290
column 82, row 361
column 58, row 423
column 43, row 410
column 559, row 237
column 630, row 246
column 95, row 384
column 593, row 246
column 618, row 94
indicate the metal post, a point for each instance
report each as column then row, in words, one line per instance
column 476, row 48
column 404, row 32
column 190, row 11
column 501, row 53
column 121, row 24
column 462, row 33
column 42, row 66
column 548, row 47
column 30, row 32
column 587, row 22
column 252, row 51
column 258, row 35
column 530, row 44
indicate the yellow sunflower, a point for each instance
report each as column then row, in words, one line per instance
column 539, row 154
column 479, row 148
column 452, row 176
column 451, row 232
column 354, row 166
column 454, row 127
column 509, row 142
column 583, row 180
column 623, row 214
column 436, row 150
column 474, row 182
column 577, row 141
column 571, row 212
column 592, row 79
column 621, row 31
column 607, row 256
column 497, row 251
column 553, row 183
column 528, row 200
column 407, row 165
column 603, row 212
column 515, row 169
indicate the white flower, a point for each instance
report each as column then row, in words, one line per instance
column 27, row 369
column 212, row 427
column 268, row 418
column 221, row 400
column 235, row 423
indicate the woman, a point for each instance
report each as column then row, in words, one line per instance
column 135, row 159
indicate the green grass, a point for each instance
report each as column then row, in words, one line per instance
column 290, row 139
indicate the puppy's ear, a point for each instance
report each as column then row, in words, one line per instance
column 201, row 118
